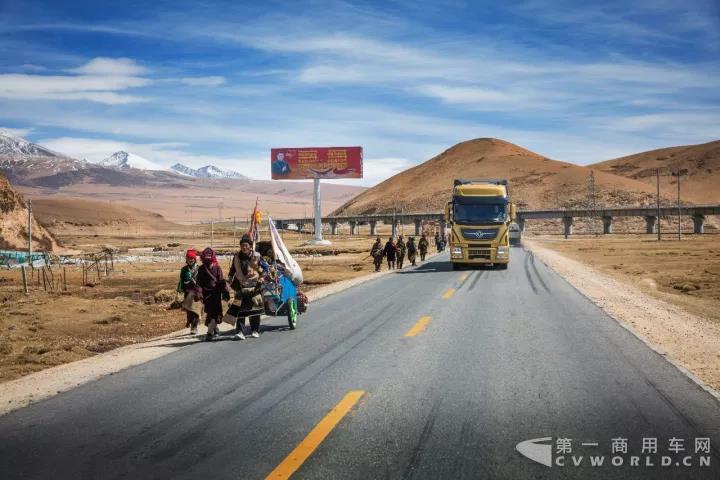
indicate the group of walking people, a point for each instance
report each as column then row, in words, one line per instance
column 204, row 288
column 396, row 250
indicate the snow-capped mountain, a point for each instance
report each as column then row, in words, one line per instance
column 123, row 159
column 11, row 145
column 208, row 171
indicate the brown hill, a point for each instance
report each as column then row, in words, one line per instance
column 13, row 222
column 701, row 184
column 535, row 181
column 57, row 212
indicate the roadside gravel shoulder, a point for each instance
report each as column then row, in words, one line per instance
column 689, row 342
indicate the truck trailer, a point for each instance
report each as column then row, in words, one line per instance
column 479, row 215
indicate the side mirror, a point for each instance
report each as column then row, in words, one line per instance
column 513, row 212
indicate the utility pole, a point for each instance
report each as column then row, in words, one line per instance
column 657, row 175
column 678, row 203
column 29, row 208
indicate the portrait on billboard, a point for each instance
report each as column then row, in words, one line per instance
column 316, row 162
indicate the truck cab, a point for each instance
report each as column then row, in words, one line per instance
column 479, row 214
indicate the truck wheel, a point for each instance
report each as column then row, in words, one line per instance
column 456, row 266
column 502, row 266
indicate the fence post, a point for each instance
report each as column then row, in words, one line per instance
column 64, row 280
column 24, row 280
column 43, row 279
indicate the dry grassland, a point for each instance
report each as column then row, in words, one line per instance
column 131, row 305
column 684, row 273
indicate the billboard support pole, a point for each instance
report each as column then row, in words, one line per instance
column 318, row 240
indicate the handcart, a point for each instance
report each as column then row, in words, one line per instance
column 280, row 297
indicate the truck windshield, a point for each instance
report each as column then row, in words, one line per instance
column 482, row 213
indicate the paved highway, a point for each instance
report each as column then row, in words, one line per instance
column 426, row 373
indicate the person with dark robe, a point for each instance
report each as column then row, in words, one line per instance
column 377, row 253
column 411, row 250
column 401, row 251
column 246, row 275
column 390, row 251
column 214, row 288
column 192, row 293
column 423, row 247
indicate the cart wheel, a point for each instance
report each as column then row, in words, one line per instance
column 292, row 313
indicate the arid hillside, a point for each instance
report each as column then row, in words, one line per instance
column 13, row 222
column 536, row 181
column 699, row 166
column 73, row 212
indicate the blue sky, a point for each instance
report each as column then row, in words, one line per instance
column 223, row 82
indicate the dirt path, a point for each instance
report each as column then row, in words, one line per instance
column 690, row 342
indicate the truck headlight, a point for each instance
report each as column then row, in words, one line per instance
column 503, row 252
column 456, row 252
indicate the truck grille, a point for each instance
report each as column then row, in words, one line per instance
column 479, row 253
column 479, row 233
column 479, row 245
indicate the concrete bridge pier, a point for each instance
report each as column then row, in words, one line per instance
column 418, row 227
column 333, row 228
column 353, row 228
column 698, row 223
column 568, row 225
column 373, row 228
column 394, row 224
column 650, row 226
column 443, row 227
column 607, row 225
column 300, row 227
column 521, row 224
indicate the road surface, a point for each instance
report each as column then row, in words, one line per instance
column 426, row 373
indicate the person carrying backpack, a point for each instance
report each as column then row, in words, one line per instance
column 411, row 250
column 423, row 247
column 192, row 293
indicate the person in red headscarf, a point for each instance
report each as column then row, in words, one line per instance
column 192, row 301
column 214, row 288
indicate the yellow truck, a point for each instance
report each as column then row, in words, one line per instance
column 479, row 215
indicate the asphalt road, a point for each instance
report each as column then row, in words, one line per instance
column 505, row 357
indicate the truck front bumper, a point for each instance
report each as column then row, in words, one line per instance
column 471, row 255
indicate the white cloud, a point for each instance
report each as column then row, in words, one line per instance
column 102, row 80
column 114, row 67
column 165, row 154
column 212, row 81
column 16, row 132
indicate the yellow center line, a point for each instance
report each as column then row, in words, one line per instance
column 301, row 453
column 418, row 327
column 449, row 293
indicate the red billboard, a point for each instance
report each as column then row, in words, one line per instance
column 321, row 162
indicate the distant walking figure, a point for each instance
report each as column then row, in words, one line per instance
column 411, row 250
column 391, row 253
column 423, row 247
column 401, row 250
column 377, row 254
